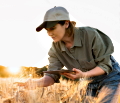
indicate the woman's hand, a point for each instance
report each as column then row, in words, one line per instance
column 78, row 74
column 34, row 83
column 29, row 84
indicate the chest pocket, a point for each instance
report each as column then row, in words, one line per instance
column 86, row 66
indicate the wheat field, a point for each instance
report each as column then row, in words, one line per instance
column 63, row 92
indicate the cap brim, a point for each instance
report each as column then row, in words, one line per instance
column 46, row 24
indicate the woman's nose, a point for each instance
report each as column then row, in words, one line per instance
column 50, row 34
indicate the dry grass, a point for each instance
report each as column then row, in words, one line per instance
column 64, row 92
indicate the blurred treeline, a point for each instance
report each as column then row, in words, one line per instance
column 26, row 72
column 32, row 72
column 4, row 71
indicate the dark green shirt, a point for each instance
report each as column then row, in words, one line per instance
column 91, row 48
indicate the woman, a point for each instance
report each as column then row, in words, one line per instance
column 85, row 50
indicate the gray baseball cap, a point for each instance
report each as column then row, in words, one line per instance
column 53, row 16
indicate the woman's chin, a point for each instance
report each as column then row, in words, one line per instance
column 55, row 41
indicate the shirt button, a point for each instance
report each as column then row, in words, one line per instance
column 71, row 50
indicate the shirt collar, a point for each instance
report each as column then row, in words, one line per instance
column 77, row 40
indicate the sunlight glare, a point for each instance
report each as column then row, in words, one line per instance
column 14, row 69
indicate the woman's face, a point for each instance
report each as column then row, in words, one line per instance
column 57, row 32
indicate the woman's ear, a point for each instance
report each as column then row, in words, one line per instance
column 67, row 23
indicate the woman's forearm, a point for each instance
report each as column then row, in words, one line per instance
column 94, row 72
column 44, row 81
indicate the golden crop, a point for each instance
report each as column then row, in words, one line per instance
column 63, row 92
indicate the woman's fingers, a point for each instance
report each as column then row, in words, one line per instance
column 69, row 75
column 29, row 84
column 76, row 70
column 78, row 74
column 20, row 83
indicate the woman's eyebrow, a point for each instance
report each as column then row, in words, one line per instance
column 50, row 28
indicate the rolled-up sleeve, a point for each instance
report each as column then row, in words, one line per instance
column 102, row 48
column 54, row 64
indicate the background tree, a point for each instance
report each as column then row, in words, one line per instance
column 39, row 71
column 4, row 71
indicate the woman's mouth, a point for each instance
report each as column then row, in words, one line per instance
column 53, row 37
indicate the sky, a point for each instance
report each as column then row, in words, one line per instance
column 21, row 45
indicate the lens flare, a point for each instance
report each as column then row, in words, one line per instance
column 14, row 69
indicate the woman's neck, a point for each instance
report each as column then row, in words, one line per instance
column 68, row 41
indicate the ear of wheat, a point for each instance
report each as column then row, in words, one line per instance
column 63, row 92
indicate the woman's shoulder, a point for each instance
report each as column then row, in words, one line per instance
column 92, row 32
column 87, row 31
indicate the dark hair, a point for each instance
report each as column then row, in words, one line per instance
column 70, row 29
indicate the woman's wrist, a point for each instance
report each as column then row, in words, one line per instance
column 37, row 83
column 85, row 75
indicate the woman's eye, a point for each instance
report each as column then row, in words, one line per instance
column 52, row 28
